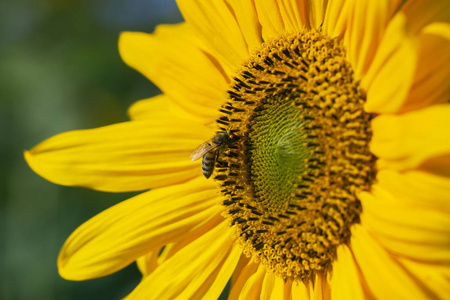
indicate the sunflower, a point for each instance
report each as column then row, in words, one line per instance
column 326, row 128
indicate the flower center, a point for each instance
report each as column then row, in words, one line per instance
column 299, row 154
column 277, row 151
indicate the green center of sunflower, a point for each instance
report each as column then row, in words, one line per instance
column 299, row 154
column 277, row 151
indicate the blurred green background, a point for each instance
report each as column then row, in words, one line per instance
column 60, row 70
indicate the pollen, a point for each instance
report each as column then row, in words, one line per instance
column 300, row 154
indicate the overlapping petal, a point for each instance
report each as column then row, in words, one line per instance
column 430, row 85
column 160, row 107
column 385, row 277
column 416, row 188
column 187, row 274
column 439, row 165
column 336, row 18
column 272, row 287
column 128, row 156
column 391, row 73
column 119, row 235
column 361, row 25
column 300, row 291
column 365, row 28
column 172, row 58
column 242, row 264
column 421, row 13
column 321, row 290
column 316, row 12
column 151, row 108
column 238, row 283
column 346, row 282
column 229, row 29
column 406, row 141
column 252, row 287
column 434, row 277
column 148, row 263
column 295, row 14
column 407, row 71
column 218, row 281
column 411, row 231
column 269, row 16
column 285, row 286
column 245, row 14
column 287, row 16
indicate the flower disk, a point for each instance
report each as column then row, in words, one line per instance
column 300, row 154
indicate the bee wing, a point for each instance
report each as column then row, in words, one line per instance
column 202, row 149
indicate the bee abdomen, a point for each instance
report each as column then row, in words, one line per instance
column 208, row 162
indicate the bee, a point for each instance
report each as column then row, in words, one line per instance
column 210, row 151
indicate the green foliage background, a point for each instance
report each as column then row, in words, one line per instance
column 60, row 70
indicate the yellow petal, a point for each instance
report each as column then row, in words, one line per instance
column 272, row 287
column 267, row 287
column 242, row 264
column 172, row 58
column 277, row 17
column 128, row 156
column 385, row 278
column 391, row 72
column 438, row 165
column 119, row 235
column 401, row 62
column 242, row 278
column 247, row 19
column 321, row 289
column 270, row 17
column 431, row 81
column 252, row 288
column 220, row 280
column 346, row 282
column 336, row 18
column 285, row 286
column 406, row 141
column 151, row 108
column 417, row 188
column 168, row 251
column 406, row 230
column 365, row 29
column 160, row 107
column 186, row 272
column 294, row 14
column 229, row 29
column 300, row 291
column 191, row 235
column 435, row 277
column 147, row 263
column 316, row 12
column 420, row 13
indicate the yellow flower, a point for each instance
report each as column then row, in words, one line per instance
column 332, row 176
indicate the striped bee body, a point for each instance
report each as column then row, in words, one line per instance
column 208, row 162
column 210, row 150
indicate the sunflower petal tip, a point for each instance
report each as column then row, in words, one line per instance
column 63, row 270
column 126, row 44
column 72, row 271
column 31, row 160
column 67, row 274
column 26, row 154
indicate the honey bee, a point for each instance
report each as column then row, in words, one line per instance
column 210, row 151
